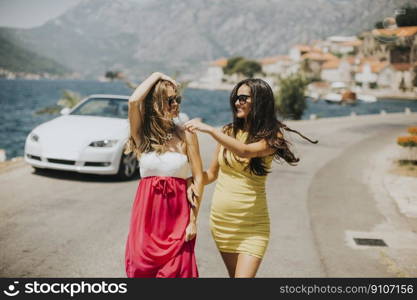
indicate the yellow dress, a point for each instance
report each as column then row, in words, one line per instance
column 239, row 218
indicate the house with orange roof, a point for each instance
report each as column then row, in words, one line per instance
column 343, row 44
column 396, row 76
column 405, row 32
column 276, row 65
column 318, row 56
column 368, row 70
column 214, row 74
column 221, row 62
column 213, row 78
column 318, row 61
column 372, row 47
column 297, row 51
column 392, row 44
column 314, row 61
column 337, row 70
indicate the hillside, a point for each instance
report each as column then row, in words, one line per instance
column 17, row 59
column 184, row 35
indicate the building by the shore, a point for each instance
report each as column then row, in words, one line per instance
column 7, row 74
column 214, row 78
column 381, row 61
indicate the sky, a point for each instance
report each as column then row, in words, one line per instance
column 32, row 13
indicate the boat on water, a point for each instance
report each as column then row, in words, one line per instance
column 367, row 98
column 346, row 97
column 333, row 98
column 340, row 93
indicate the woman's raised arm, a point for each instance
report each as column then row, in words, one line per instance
column 257, row 149
column 136, row 103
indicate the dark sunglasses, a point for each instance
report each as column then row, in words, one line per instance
column 242, row 99
column 174, row 98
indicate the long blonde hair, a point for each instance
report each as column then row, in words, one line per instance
column 156, row 126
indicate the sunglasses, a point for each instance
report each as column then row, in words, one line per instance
column 242, row 99
column 174, row 98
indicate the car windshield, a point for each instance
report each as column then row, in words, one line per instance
column 103, row 107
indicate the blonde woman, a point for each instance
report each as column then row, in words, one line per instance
column 162, row 229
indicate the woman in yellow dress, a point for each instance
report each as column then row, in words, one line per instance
column 239, row 218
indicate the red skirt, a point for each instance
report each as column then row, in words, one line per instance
column 156, row 244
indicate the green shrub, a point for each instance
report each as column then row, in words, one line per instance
column 290, row 98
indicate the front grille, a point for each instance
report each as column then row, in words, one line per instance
column 33, row 157
column 97, row 164
column 62, row 161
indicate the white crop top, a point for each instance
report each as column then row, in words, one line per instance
column 170, row 164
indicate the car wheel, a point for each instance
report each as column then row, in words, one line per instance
column 128, row 166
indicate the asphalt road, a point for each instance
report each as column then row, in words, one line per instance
column 58, row 224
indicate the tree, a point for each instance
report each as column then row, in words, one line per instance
column 379, row 25
column 248, row 68
column 69, row 99
column 305, row 66
column 243, row 66
column 119, row 75
column 290, row 99
column 112, row 75
column 231, row 63
column 408, row 17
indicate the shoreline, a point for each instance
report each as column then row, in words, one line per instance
column 396, row 97
column 18, row 159
column 381, row 95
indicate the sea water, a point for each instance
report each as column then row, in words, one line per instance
column 21, row 99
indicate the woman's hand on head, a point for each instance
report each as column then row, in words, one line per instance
column 196, row 125
column 162, row 76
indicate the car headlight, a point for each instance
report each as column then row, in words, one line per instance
column 34, row 137
column 103, row 143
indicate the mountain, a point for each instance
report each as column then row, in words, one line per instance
column 182, row 35
column 17, row 59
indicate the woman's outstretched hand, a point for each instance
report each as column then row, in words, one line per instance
column 196, row 125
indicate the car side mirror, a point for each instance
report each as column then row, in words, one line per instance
column 65, row 111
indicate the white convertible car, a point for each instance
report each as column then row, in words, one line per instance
column 88, row 139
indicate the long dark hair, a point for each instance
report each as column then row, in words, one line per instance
column 262, row 123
